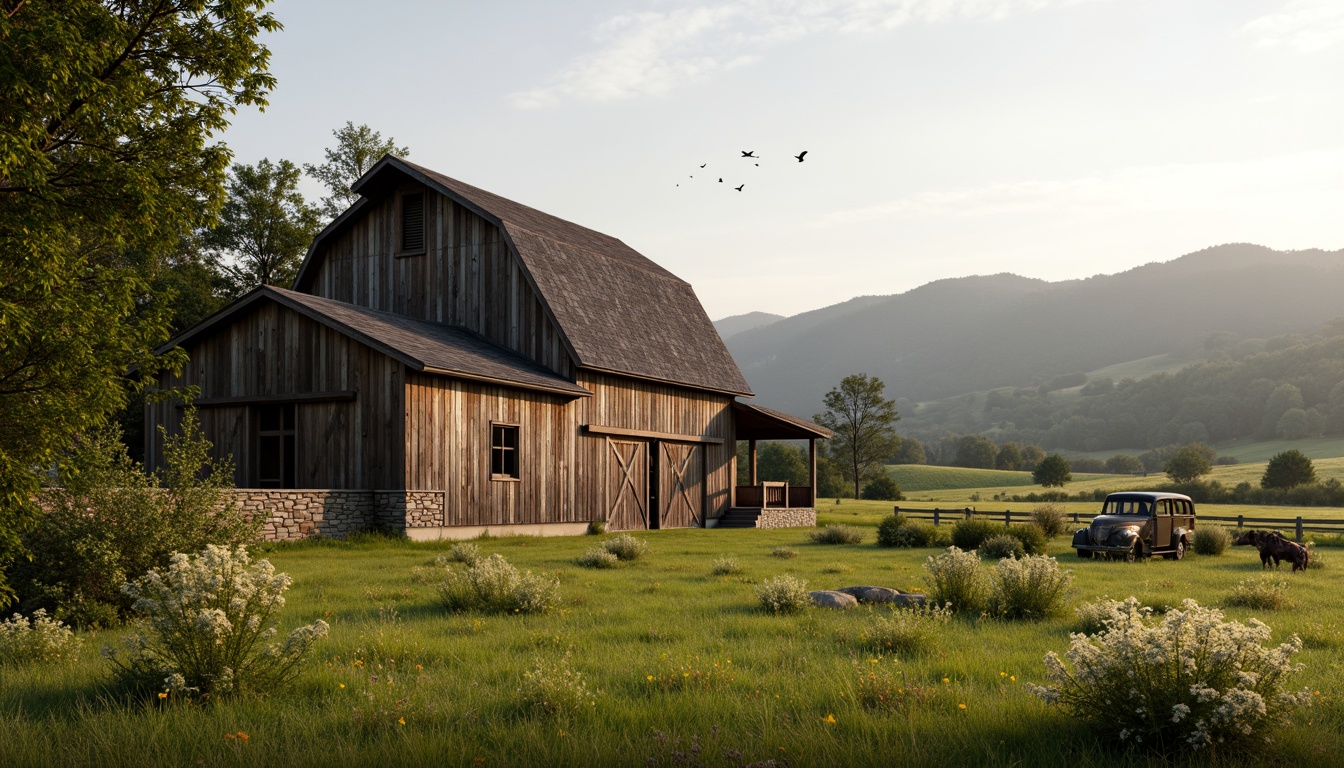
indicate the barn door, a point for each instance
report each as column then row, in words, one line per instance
column 627, row 485
column 681, row 481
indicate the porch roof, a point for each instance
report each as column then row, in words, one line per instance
column 756, row 422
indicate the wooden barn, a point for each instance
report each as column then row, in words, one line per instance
column 449, row 361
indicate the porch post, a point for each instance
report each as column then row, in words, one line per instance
column 812, row 467
column 751, row 448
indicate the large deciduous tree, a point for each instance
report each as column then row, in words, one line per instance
column 1288, row 469
column 1053, row 471
column 264, row 228
column 864, row 425
column 1190, row 463
column 357, row 148
column 107, row 110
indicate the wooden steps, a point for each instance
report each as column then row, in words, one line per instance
column 740, row 517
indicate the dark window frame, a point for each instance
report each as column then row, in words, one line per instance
column 284, row 474
column 505, row 462
column 412, row 249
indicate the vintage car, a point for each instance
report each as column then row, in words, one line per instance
column 1135, row 525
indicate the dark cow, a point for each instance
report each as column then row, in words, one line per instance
column 1273, row 546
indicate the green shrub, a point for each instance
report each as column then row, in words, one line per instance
column 882, row 488
column 626, row 547
column 467, row 554
column 1001, row 546
column 955, row 577
column 1211, row 540
column 597, row 528
column 906, row 631
column 553, row 687
column 597, row 557
column 783, row 594
column 1032, row 537
column 968, row 534
column 1188, row 682
column 726, row 566
column 837, row 534
column 1314, row 556
column 938, row 535
column 917, row 535
column 493, row 585
column 1051, row 519
column 784, row 553
column 41, row 640
column 204, row 628
column 887, row 529
column 1260, row 593
column 1030, row 588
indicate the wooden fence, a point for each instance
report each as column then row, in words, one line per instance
column 1300, row 524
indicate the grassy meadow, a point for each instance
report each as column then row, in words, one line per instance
column 685, row 668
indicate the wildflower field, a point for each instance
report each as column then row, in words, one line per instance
column 668, row 659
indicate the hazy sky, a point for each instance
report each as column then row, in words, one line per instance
column 1051, row 138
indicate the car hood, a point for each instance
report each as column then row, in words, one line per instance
column 1109, row 521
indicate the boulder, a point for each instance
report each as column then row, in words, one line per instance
column 833, row 599
column 909, row 600
column 872, row 594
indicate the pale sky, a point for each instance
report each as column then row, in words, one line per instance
column 1051, row 138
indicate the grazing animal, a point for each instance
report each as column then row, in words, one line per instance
column 800, row 156
column 739, row 189
column 1273, row 546
column 752, row 153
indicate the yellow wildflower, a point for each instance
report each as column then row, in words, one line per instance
column 829, row 719
column 242, row 736
column 163, row 695
column 946, row 681
column 961, row 706
column 342, row 685
column 401, row 720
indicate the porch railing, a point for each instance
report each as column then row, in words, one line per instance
column 774, row 495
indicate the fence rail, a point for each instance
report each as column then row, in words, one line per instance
column 1301, row 525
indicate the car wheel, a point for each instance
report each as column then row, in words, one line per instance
column 1179, row 554
column 1085, row 554
column 1134, row 553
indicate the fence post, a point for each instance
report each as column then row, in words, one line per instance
column 935, row 517
column 1007, row 518
column 968, row 513
column 1299, row 529
column 896, row 510
column 1240, row 521
column 1075, row 518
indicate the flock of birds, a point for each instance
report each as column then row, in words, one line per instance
column 751, row 155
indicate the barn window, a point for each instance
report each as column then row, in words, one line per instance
column 275, row 446
column 413, row 223
column 503, row 452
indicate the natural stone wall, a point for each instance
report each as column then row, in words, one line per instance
column 409, row 509
column 299, row 514
column 787, row 518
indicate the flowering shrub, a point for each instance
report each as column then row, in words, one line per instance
column 690, row 673
column 1031, row 587
column 726, row 566
column 1094, row 618
column 783, row 594
column 1261, row 593
column 784, row 553
column 837, row 534
column 554, row 687
column 955, row 577
column 205, row 627
column 1001, row 546
column 1314, row 553
column 882, row 688
column 1211, row 540
column 493, row 585
column 597, row 557
column 39, row 640
column 467, row 554
column 906, row 631
column 1188, row 682
column 626, row 547
column 1049, row 517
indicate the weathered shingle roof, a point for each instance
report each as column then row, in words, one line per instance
column 617, row 310
column 761, row 423
column 419, row 344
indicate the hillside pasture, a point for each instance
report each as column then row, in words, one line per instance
column 678, row 661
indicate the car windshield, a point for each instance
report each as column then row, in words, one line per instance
column 1140, row 507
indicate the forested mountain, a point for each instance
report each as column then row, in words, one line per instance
column 972, row 334
column 730, row 326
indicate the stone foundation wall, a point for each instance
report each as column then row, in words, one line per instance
column 787, row 518
column 298, row 513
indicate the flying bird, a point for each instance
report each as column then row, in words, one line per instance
column 800, row 156
column 739, row 189
column 752, row 153
column 702, row 166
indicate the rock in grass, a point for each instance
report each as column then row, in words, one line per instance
column 908, row 600
column 833, row 599
column 872, row 594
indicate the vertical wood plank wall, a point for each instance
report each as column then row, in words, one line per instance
column 273, row 350
column 467, row 277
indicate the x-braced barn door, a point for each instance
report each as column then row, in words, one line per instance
column 627, row 485
column 681, row 480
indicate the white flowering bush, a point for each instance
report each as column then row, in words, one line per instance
column 1260, row 593
column 783, row 594
column 553, row 687
column 1030, row 587
column 467, row 553
column 907, row 631
column 1191, row 681
column 493, row 585
column 1095, row 617
column 727, row 565
column 39, row 640
column 626, row 547
column 597, row 557
column 207, row 625
column 955, row 577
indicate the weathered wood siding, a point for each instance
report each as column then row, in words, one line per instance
column 273, row 350
column 467, row 277
column 564, row 471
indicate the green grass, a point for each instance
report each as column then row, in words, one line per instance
column 454, row 679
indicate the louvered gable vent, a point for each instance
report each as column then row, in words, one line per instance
column 413, row 223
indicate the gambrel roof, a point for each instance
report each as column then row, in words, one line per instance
column 418, row 344
column 616, row 310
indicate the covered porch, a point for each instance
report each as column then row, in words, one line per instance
column 754, row 423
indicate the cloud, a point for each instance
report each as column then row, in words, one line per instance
column 1306, row 26
column 651, row 52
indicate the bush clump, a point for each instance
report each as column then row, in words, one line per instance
column 39, row 640
column 1031, row 536
column 882, row 488
column 553, row 687
column 909, row 631
column 1212, row 540
column 1001, row 546
column 596, row 528
column 888, row 528
column 1095, row 617
column 597, row 557
column 493, row 585
column 467, row 554
column 1262, row 593
column 1050, row 517
column 1031, row 588
column 1314, row 559
column 970, row 534
column 837, row 534
column 726, row 566
column 205, row 627
column 1185, row 683
column 784, row 553
column 955, row 577
column 626, row 547
column 783, row 594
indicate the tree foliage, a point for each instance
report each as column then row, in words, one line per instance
column 1053, row 471
column 1189, row 463
column 977, row 452
column 1288, row 469
column 357, row 149
column 1124, row 464
column 864, row 425
column 264, row 228
column 107, row 110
